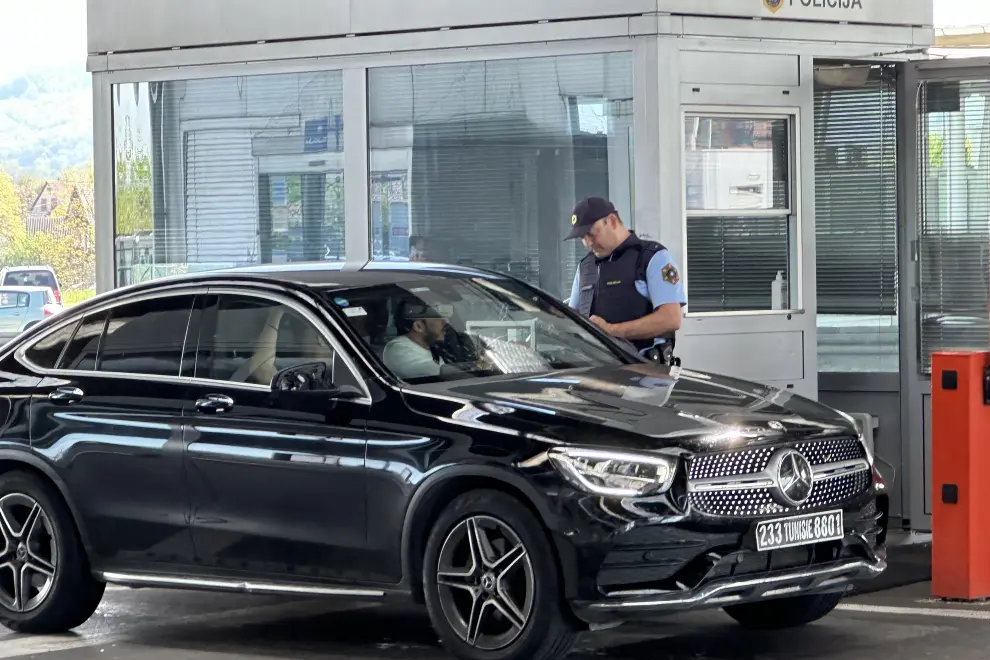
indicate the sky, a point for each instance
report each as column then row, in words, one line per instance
column 957, row 12
column 53, row 32
column 42, row 34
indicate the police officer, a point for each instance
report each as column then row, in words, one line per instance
column 629, row 287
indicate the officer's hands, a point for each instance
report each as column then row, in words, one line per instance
column 602, row 323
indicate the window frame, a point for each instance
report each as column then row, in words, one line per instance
column 792, row 213
column 197, row 290
column 341, row 356
column 193, row 300
column 75, row 319
column 211, row 316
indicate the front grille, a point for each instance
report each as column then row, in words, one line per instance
column 730, row 464
column 759, row 501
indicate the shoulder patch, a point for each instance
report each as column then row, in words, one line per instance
column 670, row 274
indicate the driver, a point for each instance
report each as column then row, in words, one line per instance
column 420, row 326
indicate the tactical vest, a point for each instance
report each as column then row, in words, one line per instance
column 607, row 286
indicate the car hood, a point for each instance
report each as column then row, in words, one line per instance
column 643, row 405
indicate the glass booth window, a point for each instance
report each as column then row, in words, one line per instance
column 222, row 172
column 954, row 204
column 481, row 163
column 739, row 217
column 856, row 211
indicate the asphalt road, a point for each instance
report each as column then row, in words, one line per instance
column 162, row 625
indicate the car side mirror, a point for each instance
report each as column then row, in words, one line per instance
column 308, row 377
column 312, row 378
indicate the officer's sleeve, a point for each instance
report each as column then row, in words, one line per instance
column 663, row 280
column 575, row 290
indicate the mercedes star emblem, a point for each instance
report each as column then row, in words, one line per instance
column 794, row 476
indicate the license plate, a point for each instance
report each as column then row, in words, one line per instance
column 799, row 530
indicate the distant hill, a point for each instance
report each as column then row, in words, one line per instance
column 46, row 121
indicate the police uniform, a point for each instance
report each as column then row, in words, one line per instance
column 633, row 281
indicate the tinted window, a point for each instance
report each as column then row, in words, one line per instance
column 80, row 355
column 146, row 337
column 253, row 339
column 45, row 352
column 30, row 278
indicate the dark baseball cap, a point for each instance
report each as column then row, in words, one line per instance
column 587, row 213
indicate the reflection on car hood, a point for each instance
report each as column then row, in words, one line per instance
column 638, row 404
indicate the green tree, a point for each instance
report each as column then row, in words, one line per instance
column 11, row 220
column 28, row 187
column 134, row 201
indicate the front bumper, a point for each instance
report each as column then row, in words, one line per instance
column 862, row 562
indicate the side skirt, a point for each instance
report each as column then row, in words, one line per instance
column 235, row 586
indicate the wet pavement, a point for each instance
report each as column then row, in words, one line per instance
column 165, row 625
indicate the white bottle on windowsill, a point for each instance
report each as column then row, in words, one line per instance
column 778, row 292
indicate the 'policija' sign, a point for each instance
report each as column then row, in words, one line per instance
column 775, row 5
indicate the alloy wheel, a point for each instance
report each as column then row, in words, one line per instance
column 486, row 583
column 28, row 553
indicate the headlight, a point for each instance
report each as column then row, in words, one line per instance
column 616, row 474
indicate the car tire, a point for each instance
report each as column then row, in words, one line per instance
column 40, row 542
column 516, row 590
column 785, row 612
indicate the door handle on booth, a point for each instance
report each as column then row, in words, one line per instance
column 214, row 403
column 66, row 395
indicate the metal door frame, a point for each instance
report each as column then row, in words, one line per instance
column 915, row 484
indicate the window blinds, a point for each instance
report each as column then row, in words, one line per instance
column 856, row 196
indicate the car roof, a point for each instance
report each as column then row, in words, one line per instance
column 323, row 275
column 340, row 275
column 24, row 289
column 328, row 274
column 24, row 268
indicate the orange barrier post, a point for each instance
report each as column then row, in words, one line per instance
column 961, row 475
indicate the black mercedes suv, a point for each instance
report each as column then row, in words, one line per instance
column 426, row 431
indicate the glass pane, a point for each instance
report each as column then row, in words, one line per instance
column 45, row 353
column 223, row 172
column 432, row 330
column 482, row 163
column 856, row 211
column 80, row 354
column 254, row 339
column 955, row 205
column 146, row 337
column 736, row 163
column 738, row 264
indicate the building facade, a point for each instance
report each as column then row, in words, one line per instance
column 762, row 141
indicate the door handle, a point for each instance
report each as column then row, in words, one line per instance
column 215, row 403
column 67, row 395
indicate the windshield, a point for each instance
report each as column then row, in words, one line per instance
column 436, row 329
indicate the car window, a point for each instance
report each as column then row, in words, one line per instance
column 30, row 278
column 250, row 339
column 45, row 352
column 146, row 337
column 80, row 354
column 11, row 299
column 436, row 329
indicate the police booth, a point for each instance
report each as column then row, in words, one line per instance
column 756, row 139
